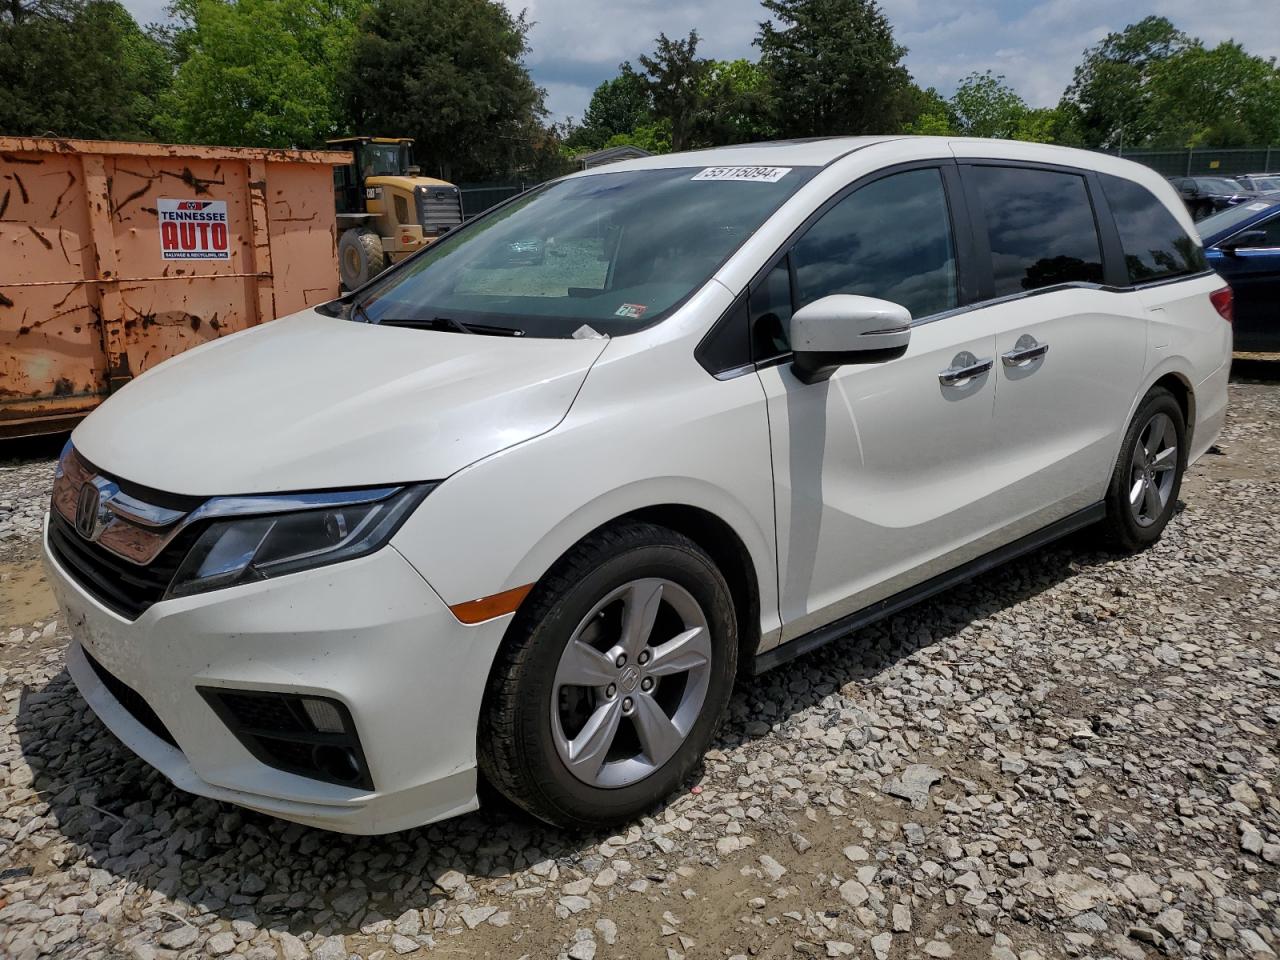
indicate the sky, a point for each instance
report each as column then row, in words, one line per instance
column 576, row 44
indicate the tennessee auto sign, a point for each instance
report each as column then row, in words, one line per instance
column 193, row 230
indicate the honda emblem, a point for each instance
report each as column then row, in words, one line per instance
column 92, row 515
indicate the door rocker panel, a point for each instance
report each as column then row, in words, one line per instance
column 839, row 629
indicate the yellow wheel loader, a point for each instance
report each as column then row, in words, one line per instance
column 386, row 208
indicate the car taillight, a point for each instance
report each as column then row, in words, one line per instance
column 1222, row 301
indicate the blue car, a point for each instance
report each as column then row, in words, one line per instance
column 1242, row 244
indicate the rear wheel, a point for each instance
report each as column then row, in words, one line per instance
column 613, row 680
column 1148, row 474
column 360, row 257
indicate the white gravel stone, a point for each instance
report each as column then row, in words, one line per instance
column 220, row 943
column 772, row 868
column 853, row 893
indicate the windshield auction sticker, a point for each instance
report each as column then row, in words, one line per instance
column 747, row 174
column 193, row 229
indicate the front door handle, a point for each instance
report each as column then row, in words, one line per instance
column 964, row 367
column 1024, row 351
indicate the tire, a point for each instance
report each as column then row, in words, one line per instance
column 1146, row 465
column 360, row 257
column 535, row 743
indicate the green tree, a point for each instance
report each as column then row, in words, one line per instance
column 450, row 74
column 837, row 65
column 929, row 112
column 78, row 68
column 1109, row 95
column 654, row 137
column 18, row 11
column 1220, row 96
column 551, row 155
column 984, row 105
column 675, row 77
column 617, row 106
column 260, row 72
column 1048, row 125
column 736, row 104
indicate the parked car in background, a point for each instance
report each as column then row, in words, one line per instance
column 529, row 518
column 1205, row 195
column 1260, row 182
column 1243, row 245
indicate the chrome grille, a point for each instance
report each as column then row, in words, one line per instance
column 126, row 588
column 439, row 208
column 131, row 528
column 127, row 560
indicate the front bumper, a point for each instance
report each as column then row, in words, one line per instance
column 370, row 633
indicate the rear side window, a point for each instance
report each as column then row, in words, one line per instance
column 1155, row 245
column 1040, row 226
column 1272, row 229
column 890, row 239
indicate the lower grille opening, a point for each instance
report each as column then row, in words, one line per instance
column 311, row 736
column 131, row 700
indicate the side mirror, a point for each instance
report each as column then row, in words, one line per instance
column 1248, row 238
column 843, row 329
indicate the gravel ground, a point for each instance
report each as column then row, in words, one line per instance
column 1074, row 755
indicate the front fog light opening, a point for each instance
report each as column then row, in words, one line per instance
column 307, row 735
column 323, row 714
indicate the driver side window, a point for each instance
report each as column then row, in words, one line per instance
column 890, row 239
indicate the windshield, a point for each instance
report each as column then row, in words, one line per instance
column 1231, row 217
column 381, row 160
column 1265, row 183
column 1219, row 185
column 613, row 252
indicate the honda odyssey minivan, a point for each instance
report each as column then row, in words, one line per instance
column 528, row 518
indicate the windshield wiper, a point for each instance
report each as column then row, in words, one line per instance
column 358, row 310
column 450, row 323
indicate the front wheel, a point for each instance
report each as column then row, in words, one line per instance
column 360, row 257
column 1143, row 492
column 613, row 679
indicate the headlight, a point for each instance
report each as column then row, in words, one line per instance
column 270, row 544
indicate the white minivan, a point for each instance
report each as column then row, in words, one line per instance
column 526, row 505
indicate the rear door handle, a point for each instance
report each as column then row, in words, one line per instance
column 1022, row 353
column 964, row 368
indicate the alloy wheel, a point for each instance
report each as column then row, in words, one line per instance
column 631, row 683
column 1153, row 469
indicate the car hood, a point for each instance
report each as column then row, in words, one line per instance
column 312, row 402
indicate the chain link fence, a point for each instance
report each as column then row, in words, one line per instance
column 479, row 197
column 1207, row 161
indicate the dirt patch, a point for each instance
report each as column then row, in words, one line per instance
column 25, row 596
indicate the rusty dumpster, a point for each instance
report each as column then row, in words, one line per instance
column 116, row 256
